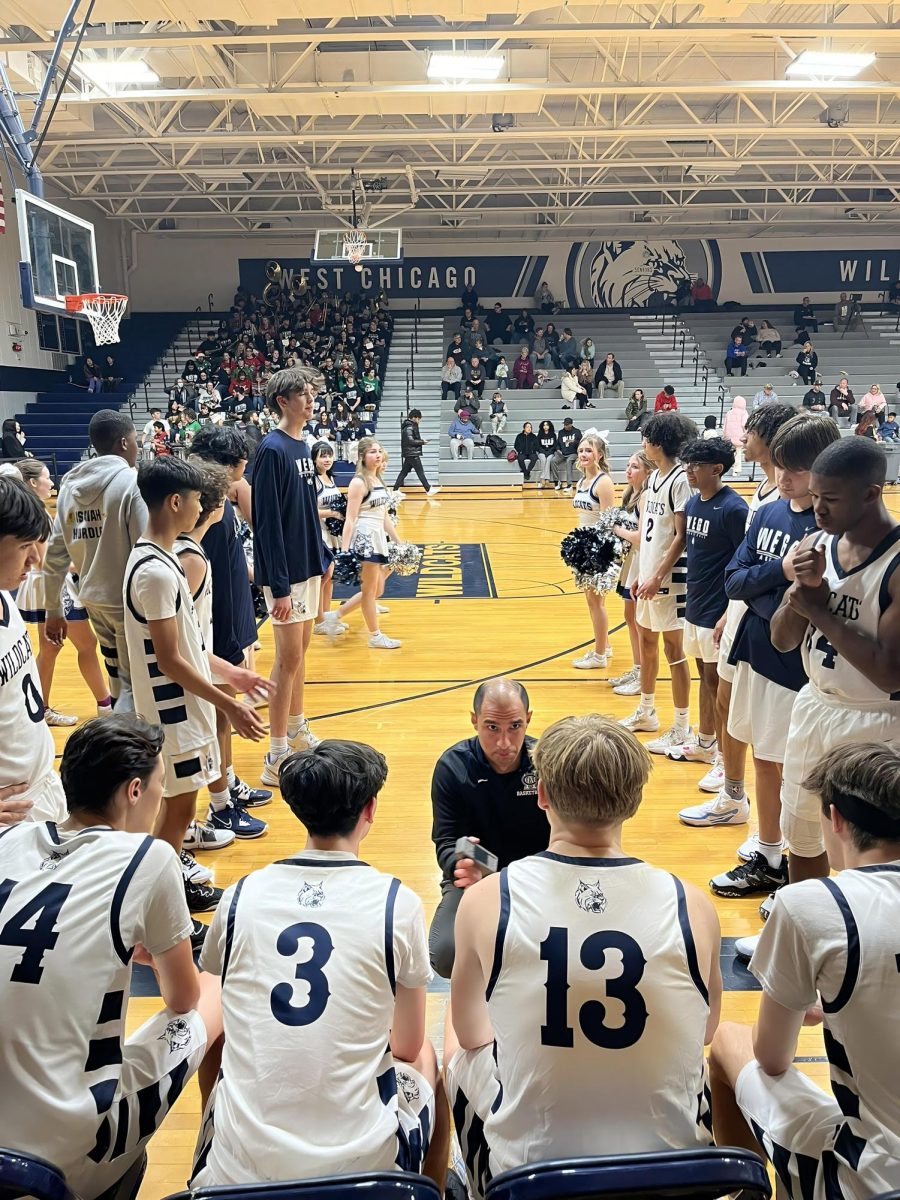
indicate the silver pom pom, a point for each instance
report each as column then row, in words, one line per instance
column 404, row 558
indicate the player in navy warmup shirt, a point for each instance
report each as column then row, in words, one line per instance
column 767, row 681
column 716, row 518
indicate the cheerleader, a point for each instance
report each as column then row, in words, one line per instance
column 594, row 493
column 637, row 473
column 367, row 530
column 30, row 603
column 327, row 622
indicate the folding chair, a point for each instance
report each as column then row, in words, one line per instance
column 379, row 1185
column 26, row 1175
column 705, row 1174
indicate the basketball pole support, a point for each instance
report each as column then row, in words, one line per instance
column 20, row 140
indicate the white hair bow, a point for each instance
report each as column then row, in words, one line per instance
column 602, row 434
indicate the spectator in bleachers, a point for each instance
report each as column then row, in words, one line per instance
column 14, row 440
column 501, row 372
column 702, row 296
column 585, row 375
column 635, row 410
column 588, row 350
column 475, row 376
column 462, row 435
column 609, row 376
column 551, row 337
column 545, row 301
column 147, row 431
column 179, row 394
column 451, row 378
column 889, row 430
column 665, row 400
column 765, row 395
column 456, row 350
column 873, row 401
column 733, row 429
column 846, row 314
column 498, row 326
column 807, row 363
column 567, row 442
column 573, row 393
column 747, row 331
column 736, row 355
column 469, row 299
column 499, row 413
column 465, row 321
column 541, row 354
column 546, row 437
column 471, row 403
column 567, row 351
column 92, row 375
column 472, row 337
column 523, row 370
column 526, row 447
column 190, row 375
column 815, row 399
column 769, row 340
column 805, row 316
column 842, row 401
column 867, row 425
column 523, row 327
column 112, row 377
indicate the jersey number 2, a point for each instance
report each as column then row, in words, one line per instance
column 43, row 909
column 592, row 1015
column 309, row 972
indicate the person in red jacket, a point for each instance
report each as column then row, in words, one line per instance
column 665, row 400
column 523, row 370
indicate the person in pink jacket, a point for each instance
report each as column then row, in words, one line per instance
column 523, row 370
column 733, row 429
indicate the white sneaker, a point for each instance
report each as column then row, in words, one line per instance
column 721, row 810
column 303, row 738
column 271, row 767
column 201, row 836
column 714, row 779
column 591, row 661
column 192, row 871
column 744, row 947
column 380, row 608
column 642, row 721
column 631, row 674
column 765, row 909
column 747, row 849
column 433, row 491
column 381, row 641
column 53, row 717
column 330, row 627
column 631, row 687
column 693, row 752
column 674, row 739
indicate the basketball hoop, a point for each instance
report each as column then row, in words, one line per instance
column 103, row 310
column 355, row 243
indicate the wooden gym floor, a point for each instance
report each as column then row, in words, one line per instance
column 495, row 598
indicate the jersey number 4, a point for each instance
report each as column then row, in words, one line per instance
column 40, row 914
column 592, row 1015
column 283, row 996
column 824, row 647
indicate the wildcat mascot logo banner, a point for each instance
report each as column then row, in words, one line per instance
column 638, row 274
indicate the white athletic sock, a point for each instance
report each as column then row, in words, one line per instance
column 277, row 745
column 231, row 776
column 682, row 718
column 295, row 721
column 219, row 800
column 648, row 701
column 772, row 853
column 706, row 740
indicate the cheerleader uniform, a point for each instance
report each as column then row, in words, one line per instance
column 370, row 542
column 327, row 492
column 585, row 501
column 31, row 604
column 629, row 572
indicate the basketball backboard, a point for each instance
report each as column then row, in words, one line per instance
column 58, row 254
column 382, row 245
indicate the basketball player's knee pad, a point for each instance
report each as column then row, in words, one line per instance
column 803, row 836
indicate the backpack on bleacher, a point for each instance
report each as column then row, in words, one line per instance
column 495, row 444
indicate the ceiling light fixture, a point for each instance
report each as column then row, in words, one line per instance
column 465, row 67
column 109, row 72
column 828, row 64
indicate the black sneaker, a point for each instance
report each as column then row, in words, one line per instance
column 244, row 796
column 753, row 878
column 198, row 934
column 200, row 897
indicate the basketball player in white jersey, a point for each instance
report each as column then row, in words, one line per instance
column 844, row 613
column 328, row 958
column 659, row 590
column 586, row 983
column 171, row 668
column 80, row 902
column 828, row 953
column 28, row 784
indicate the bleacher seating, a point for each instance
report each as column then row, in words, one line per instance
column 704, row 1174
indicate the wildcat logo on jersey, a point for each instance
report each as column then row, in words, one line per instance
column 177, row 1034
column 311, row 895
column 590, row 898
column 408, row 1086
column 53, row 859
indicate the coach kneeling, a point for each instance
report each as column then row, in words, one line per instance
column 484, row 788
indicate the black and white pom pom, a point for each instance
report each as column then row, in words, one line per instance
column 594, row 553
column 347, row 568
column 396, row 499
column 335, row 525
column 404, row 558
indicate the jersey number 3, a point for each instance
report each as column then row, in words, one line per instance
column 592, row 1015
column 310, row 972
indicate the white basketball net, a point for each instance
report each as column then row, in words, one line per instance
column 355, row 242
column 104, row 314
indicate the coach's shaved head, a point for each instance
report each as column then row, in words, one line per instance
column 501, row 717
column 499, row 690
